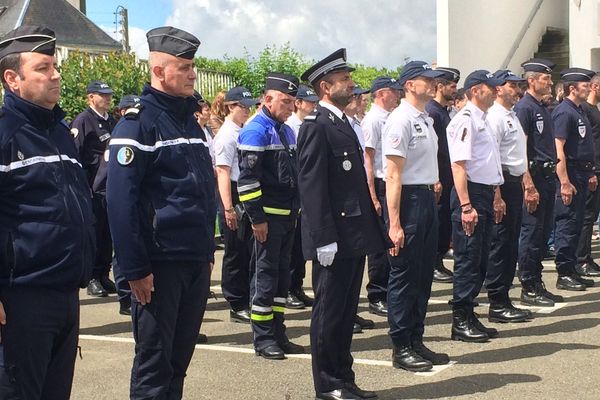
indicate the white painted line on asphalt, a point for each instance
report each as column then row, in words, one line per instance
column 544, row 310
column 231, row 349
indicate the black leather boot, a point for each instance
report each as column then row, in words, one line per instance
column 463, row 328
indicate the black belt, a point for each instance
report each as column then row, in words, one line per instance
column 483, row 185
column 419, row 187
column 508, row 178
column 546, row 168
column 586, row 166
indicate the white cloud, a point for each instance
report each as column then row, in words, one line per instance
column 378, row 33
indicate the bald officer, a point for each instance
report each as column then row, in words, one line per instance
column 575, row 171
column 477, row 172
column 161, row 209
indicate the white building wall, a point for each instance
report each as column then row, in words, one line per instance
column 584, row 36
column 479, row 34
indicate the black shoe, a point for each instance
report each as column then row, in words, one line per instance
column 449, row 255
column 554, row 297
column 108, row 285
column 594, row 266
column 364, row 323
column 505, row 313
column 426, row 353
column 585, row 282
column 95, row 289
column 338, row 394
column 378, row 308
column 365, row 394
column 293, row 302
column 292, row 348
column 356, row 328
column 441, row 274
column 406, row 358
column 586, row 269
column 532, row 295
column 463, row 328
column 272, row 352
column 567, row 282
column 202, row 339
column 124, row 309
column 303, row 297
column 242, row 316
column 491, row 332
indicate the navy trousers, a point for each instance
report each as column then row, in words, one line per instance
column 590, row 216
column 378, row 265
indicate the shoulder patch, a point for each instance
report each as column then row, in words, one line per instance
column 133, row 112
column 125, row 155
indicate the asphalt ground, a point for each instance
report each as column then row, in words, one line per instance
column 555, row 356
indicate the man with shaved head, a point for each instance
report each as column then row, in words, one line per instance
column 161, row 208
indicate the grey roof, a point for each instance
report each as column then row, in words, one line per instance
column 72, row 28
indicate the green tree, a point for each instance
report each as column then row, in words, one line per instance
column 364, row 75
column 121, row 71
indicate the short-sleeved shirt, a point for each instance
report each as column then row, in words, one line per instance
column 571, row 124
column 409, row 133
column 226, row 152
column 355, row 124
column 372, row 128
column 593, row 114
column 471, row 139
column 511, row 139
column 537, row 124
column 294, row 122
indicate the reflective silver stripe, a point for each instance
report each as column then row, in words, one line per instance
column 261, row 308
column 279, row 147
column 249, row 186
column 251, row 148
column 157, row 145
column 280, row 300
column 36, row 160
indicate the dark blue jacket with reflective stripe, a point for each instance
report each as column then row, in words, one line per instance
column 160, row 190
column 46, row 221
column 268, row 173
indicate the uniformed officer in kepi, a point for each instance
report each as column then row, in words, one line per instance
column 46, row 221
column 268, row 189
column 162, row 210
column 477, row 172
column 437, row 108
column 575, row 171
column 508, row 202
column 410, row 146
column 91, row 130
column 339, row 226
column 539, row 183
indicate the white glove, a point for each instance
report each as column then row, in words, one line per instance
column 326, row 254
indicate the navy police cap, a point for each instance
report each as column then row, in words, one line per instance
column 129, row 100
column 242, row 95
column 307, row 94
column 482, row 76
column 99, row 87
column 28, row 38
column 538, row 65
column 415, row 69
column 385, row 82
column 450, row 74
column 357, row 91
column 576, row 75
column 174, row 41
column 334, row 62
column 506, row 75
column 284, row 83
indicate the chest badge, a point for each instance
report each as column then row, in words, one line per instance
column 74, row 132
column 125, row 155
column 20, row 155
column 540, row 126
column 347, row 165
column 581, row 129
column 330, row 116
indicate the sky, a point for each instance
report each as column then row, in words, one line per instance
column 380, row 33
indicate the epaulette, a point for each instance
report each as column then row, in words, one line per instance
column 467, row 113
column 133, row 112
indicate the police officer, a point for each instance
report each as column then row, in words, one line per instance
column 161, row 209
column 410, row 146
column 476, row 172
column 575, row 171
column 126, row 102
column 91, row 130
column 437, row 108
column 385, row 91
column 46, row 233
column 235, row 278
column 339, row 225
column 586, row 266
column 268, row 189
column 306, row 101
column 508, row 201
column 539, row 184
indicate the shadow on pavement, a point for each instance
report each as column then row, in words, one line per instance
column 98, row 300
column 456, row 387
column 520, row 352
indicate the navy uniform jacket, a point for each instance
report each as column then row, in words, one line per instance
column 92, row 133
column 160, row 190
column 46, row 221
column 268, row 173
column 572, row 124
column 537, row 124
column 441, row 119
column 335, row 199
